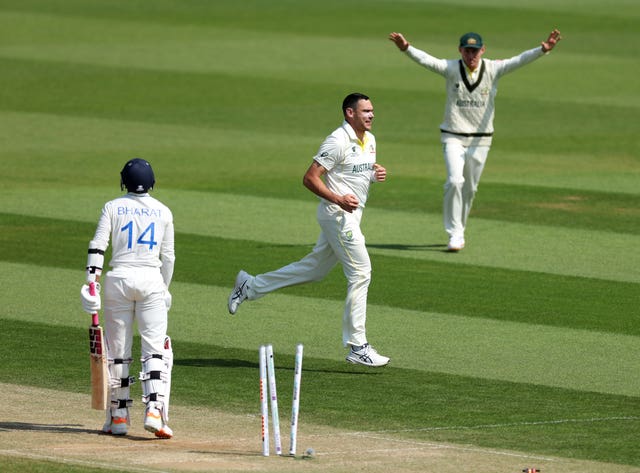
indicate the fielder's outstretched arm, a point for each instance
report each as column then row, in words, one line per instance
column 551, row 41
column 397, row 38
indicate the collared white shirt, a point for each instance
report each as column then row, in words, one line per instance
column 348, row 161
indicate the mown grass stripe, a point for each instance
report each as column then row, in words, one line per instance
column 462, row 289
column 567, row 251
column 70, row 89
column 440, row 342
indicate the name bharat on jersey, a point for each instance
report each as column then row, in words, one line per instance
column 139, row 212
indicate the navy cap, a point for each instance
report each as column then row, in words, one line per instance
column 471, row 40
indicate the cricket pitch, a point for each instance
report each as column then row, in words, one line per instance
column 50, row 425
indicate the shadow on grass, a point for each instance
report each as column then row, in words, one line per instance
column 237, row 363
column 55, row 428
column 396, row 246
column 216, row 362
column 62, row 429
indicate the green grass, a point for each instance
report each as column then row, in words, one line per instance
column 527, row 340
column 457, row 407
column 36, row 466
column 507, row 295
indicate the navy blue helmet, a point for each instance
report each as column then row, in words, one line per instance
column 137, row 176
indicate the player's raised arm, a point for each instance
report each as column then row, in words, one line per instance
column 399, row 40
column 552, row 40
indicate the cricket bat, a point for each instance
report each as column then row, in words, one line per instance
column 98, row 360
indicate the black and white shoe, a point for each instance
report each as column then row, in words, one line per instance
column 366, row 355
column 239, row 292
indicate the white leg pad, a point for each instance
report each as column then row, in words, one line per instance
column 156, row 379
column 168, row 359
column 119, row 382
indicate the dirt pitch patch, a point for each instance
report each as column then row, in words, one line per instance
column 57, row 426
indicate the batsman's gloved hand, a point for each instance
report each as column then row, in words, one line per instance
column 168, row 299
column 90, row 304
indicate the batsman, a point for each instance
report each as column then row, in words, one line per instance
column 136, row 289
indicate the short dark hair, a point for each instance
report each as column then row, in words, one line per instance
column 351, row 101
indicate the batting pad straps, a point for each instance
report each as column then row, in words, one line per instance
column 121, row 403
column 122, row 382
column 95, row 261
column 121, row 361
column 154, row 377
column 119, row 382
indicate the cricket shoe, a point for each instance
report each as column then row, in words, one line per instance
column 366, row 355
column 456, row 243
column 117, row 422
column 239, row 293
column 154, row 423
column 165, row 432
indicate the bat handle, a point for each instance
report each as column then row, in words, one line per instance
column 92, row 290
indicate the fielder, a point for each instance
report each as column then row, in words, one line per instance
column 340, row 174
column 467, row 129
column 136, row 288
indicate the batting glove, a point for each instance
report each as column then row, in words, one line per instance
column 90, row 304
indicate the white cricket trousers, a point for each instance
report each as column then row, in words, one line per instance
column 134, row 294
column 464, row 167
column 340, row 240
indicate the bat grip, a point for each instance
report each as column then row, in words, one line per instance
column 92, row 290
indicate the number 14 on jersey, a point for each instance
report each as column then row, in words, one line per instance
column 147, row 237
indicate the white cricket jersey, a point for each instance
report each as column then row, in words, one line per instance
column 469, row 109
column 141, row 232
column 349, row 162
